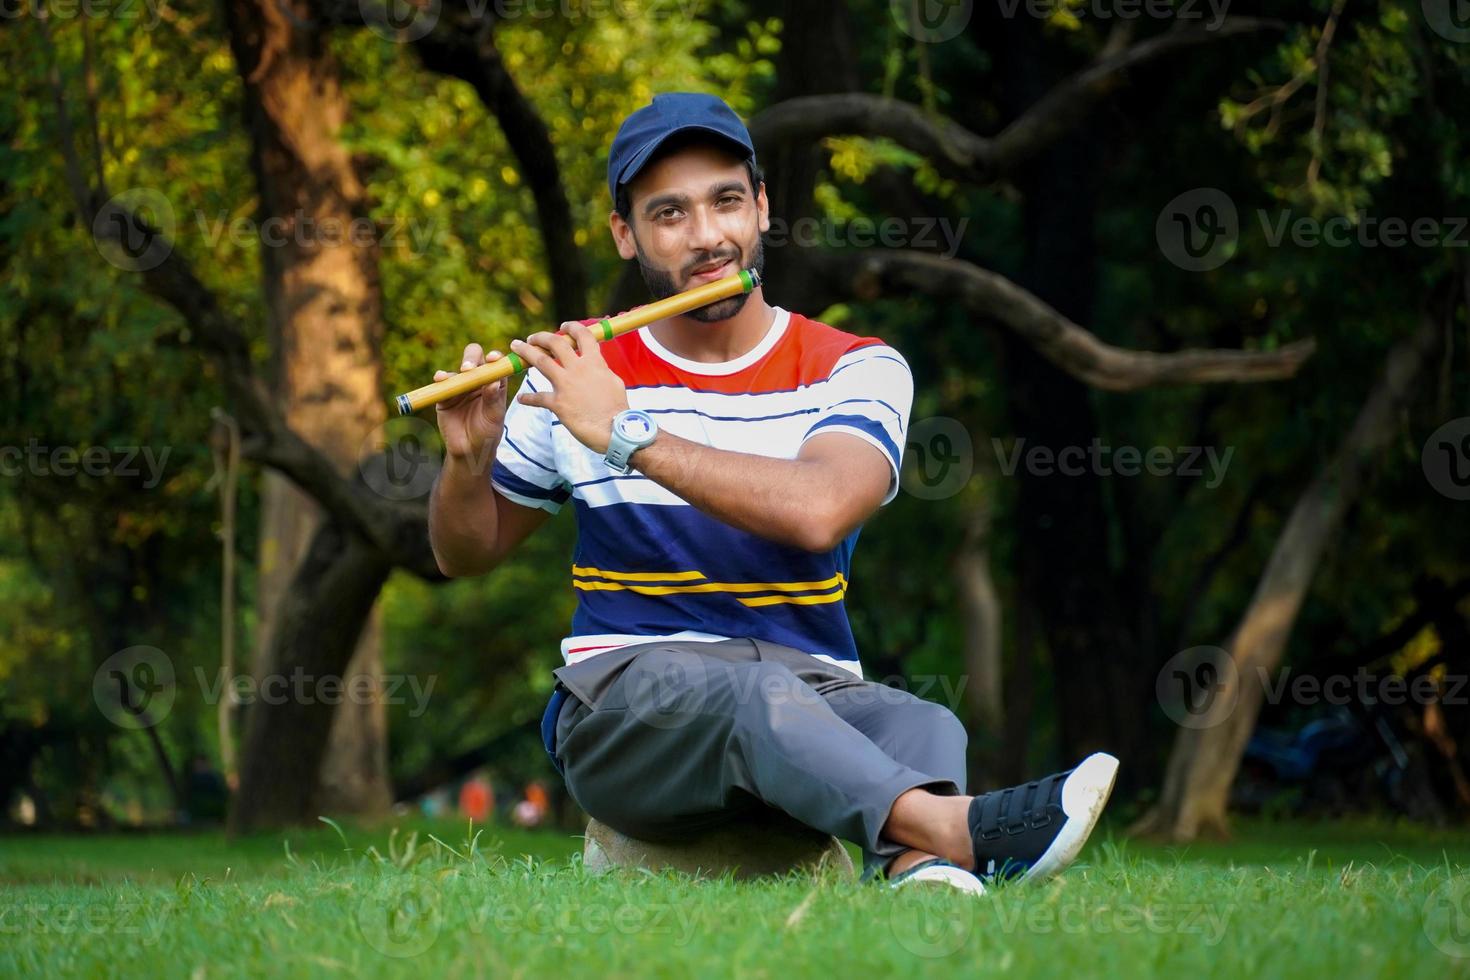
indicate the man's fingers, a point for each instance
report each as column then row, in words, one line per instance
column 586, row 343
column 474, row 356
column 537, row 357
column 561, row 348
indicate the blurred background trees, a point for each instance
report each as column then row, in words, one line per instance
column 474, row 142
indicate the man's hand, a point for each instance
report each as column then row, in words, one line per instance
column 473, row 423
column 585, row 394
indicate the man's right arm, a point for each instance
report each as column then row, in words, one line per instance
column 472, row 528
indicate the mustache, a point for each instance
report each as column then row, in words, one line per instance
column 712, row 260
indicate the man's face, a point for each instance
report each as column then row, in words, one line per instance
column 694, row 219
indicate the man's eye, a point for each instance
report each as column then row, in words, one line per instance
column 731, row 199
column 667, row 214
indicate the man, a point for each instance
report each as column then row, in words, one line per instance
column 721, row 464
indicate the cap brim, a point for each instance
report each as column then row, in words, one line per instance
column 635, row 166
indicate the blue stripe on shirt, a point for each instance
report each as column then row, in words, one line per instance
column 863, row 424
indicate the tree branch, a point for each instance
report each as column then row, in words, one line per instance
column 955, row 151
column 461, row 45
column 1070, row 347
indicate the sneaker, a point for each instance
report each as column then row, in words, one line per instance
column 939, row 871
column 1035, row 830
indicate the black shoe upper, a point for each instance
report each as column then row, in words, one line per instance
column 1012, row 828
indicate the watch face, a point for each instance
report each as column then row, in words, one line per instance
column 635, row 426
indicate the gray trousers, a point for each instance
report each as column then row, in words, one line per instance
column 666, row 739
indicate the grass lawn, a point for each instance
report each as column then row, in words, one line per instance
column 1336, row 900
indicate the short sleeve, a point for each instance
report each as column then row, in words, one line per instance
column 525, row 462
column 869, row 394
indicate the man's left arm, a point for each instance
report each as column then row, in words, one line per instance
column 847, row 466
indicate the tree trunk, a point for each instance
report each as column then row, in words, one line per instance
column 1204, row 760
column 318, row 624
column 980, row 604
column 1066, row 571
column 325, row 324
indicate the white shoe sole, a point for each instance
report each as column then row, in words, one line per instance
column 1084, row 795
column 957, row 878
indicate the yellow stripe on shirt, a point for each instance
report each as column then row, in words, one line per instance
column 838, row 582
column 796, row 600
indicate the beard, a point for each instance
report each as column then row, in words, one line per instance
column 661, row 283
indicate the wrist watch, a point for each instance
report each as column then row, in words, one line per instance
column 632, row 429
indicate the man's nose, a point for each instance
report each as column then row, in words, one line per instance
column 707, row 233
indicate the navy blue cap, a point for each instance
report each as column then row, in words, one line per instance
column 646, row 130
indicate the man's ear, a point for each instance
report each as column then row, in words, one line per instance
column 623, row 236
column 763, row 208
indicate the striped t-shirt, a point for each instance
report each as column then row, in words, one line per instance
column 650, row 566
